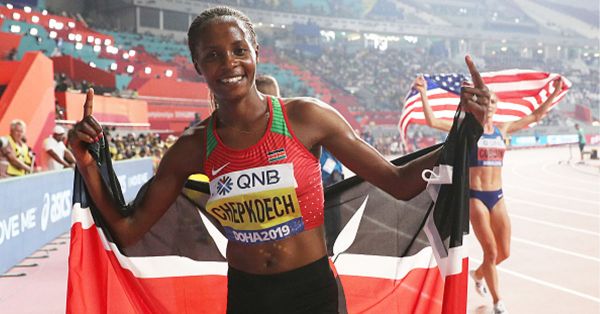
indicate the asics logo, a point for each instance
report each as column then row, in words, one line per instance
column 216, row 171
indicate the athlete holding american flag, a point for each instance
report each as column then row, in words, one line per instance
column 488, row 213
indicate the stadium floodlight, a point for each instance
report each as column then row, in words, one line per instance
column 33, row 31
column 282, row 26
column 558, row 48
column 27, row 9
column 59, row 25
column 16, row 16
column 132, row 53
column 113, row 50
column 169, row 73
column 97, row 48
column 272, row 25
column 107, row 42
column 597, row 55
column 97, row 41
column 113, row 66
column 35, row 18
column 585, row 54
column 125, row 55
column 493, row 52
column 147, row 70
column 259, row 23
column 540, row 51
column 78, row 46
column 130, row 69
column 78, row 37
column 92, row 64
column 45, row 12
column 71, row 24
column 504, row 49
column 9, row 6
column 52, row 34
column 517, row 20
column 90, row 39
column 71, row 37
column 15, row 28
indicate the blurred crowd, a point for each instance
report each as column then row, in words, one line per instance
column 17, row 158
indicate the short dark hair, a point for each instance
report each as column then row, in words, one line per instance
column 217, row 12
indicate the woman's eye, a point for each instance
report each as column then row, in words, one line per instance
column 240, row 51
column 211, row 55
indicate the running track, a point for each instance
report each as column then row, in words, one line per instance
column 554, row 266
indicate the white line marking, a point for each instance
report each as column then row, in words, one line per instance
column 534, row 204
column 563, row 186
column 569, row 178
column 551, row 248
column 544, row 283
column 541, row 222
column 561, row 196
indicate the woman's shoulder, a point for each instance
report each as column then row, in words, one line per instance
column 300, row 107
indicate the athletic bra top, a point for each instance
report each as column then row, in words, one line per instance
column 267, row 192
column 489, row 151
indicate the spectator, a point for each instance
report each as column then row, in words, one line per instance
column 197, row 119
column 12, row 55
column 19, row 157
column 267, row 84
column 331, row 173
column 582, row 142
column 58, row 156
column 4, row 152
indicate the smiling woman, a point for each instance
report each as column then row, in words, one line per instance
column 261, row 156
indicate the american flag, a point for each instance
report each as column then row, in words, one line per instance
column 520, row 92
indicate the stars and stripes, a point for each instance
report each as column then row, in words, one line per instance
column 520, row 92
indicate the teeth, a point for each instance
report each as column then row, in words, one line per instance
column 232, row 80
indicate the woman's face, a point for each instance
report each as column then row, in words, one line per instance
column 226, row 58
column 493, row 106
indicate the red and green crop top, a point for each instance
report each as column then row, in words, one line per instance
column 267, row 192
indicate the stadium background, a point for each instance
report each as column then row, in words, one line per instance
column 358, row 55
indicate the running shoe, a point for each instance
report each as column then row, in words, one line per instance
column 499, row 308
column 479, row 285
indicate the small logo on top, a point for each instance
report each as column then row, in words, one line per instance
column 224, row 185
column 276, row 155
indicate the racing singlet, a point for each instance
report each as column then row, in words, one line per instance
column 490, row 150
column 267, row 192
column 22, row 153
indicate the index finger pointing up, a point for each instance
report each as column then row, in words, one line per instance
column 475, row 76
column 88, row 106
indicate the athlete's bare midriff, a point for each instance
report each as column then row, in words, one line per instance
column 279, row 256
column 485, row 178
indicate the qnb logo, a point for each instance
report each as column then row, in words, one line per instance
column 224, row 185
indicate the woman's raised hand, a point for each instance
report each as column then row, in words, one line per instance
column 475, row 99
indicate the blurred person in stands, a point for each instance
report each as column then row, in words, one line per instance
column 267, row 85
column 58, row 156
column 20, row 157
column 249, row 134
column 12, row 55
column 488, row 213
column 197, row 120
column 581, row 139
column 4, row 152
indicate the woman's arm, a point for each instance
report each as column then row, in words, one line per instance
column 182, row 159
column 537, row 115
column 420, row 84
